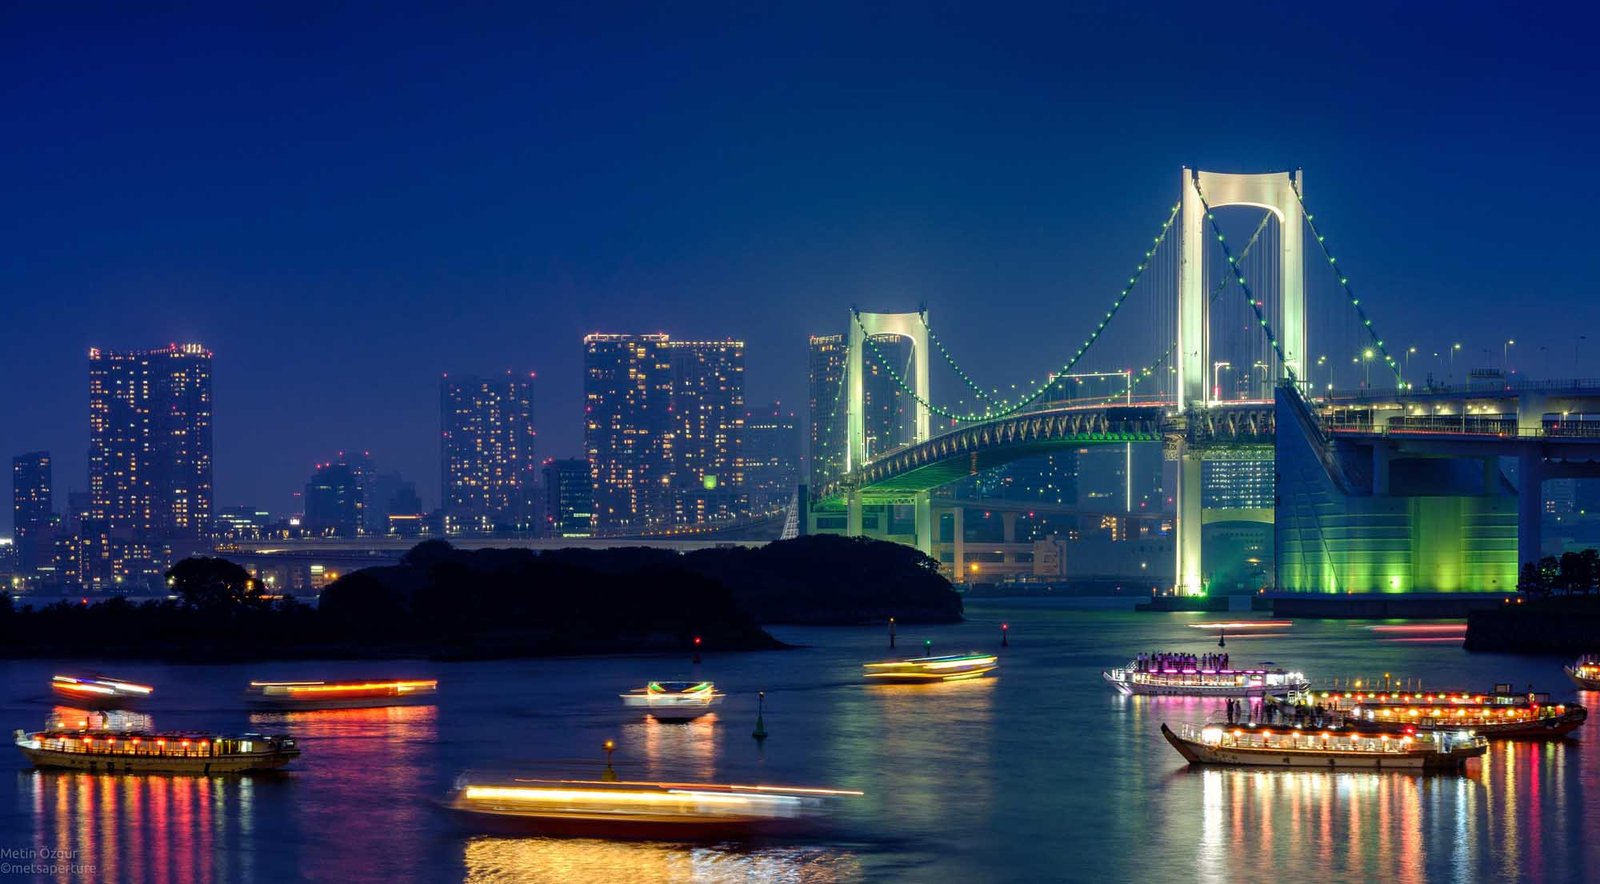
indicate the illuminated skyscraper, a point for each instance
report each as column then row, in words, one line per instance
column 32, row 507
column 487, row 453
column 628, row 430
column 150, row 441
column 708, row 427
column 771, row 457
column 569, row 497
column 827, row 406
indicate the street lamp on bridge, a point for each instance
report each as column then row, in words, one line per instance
column 1216, row 384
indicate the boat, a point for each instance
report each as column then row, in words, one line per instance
column 1189, row 675
column 1498, row 714
column 110, row 750
column 931, row 670
column 674, row 700
column 312, row 695
column 642, row 810
column 1256, row 745
column 99, row 691
column 1585, row 673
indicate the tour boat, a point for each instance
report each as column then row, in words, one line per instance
column 674, row 700
column 99, row 692
column 310, row 695
column 1159, row 677
column 645, row 810
column 1259, row 745
column 1586, row 672
column 930, row 670
column 1497, row 714
column 100, row 750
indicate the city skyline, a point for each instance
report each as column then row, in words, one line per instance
column 340, row 288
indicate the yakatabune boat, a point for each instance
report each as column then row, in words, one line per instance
column 1174, row 676
column 1497, row 714
column 1586, row 672
column 674, row 700
column 1256, row 745
column 113, row 751
column 340, row 695
column 927, row 670
column 99, row 691
column 651, row 810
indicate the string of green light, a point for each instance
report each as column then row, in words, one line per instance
column 1344, row 283
column 1004, row 409
column 1233, row 264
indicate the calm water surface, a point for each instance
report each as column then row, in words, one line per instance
column 1040, row 774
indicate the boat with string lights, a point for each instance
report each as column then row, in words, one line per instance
column 99, row 691
column 931, row 670
column 1586, row 672
column 1501, row 714
column 1260, row 745
column 639, row 809
column 104, row 749
column 1189, row 675
column 314, row 695
column 674, row 700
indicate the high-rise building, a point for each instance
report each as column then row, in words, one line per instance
column 335, row 502
column 628, row 430
column 150, row 441
column 32, row 507
column 826, row 456
column 708, row 426
column 487, row 452
column 1237, row 484
column 771, row 457
column 569, row 497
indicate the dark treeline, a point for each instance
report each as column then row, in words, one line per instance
column 1573, row 573
column 449, row 603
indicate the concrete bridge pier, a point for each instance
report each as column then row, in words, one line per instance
column 922, row 506
column 1188, row 522
column 852, row 525
column 1530, row 506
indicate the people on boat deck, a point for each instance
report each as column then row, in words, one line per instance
column 1158, row 661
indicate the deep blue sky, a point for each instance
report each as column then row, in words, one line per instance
column 343, row 204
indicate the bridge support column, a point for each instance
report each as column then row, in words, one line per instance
column 923, row 518
column 1008, row 527
column 852, row 523
column 1381, row 456
column 1530, row 507
column 958, row 543
column 1187, row 523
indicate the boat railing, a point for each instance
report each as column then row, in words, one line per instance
column 1297, row 738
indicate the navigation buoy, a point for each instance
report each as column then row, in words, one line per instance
column 610, row 775
column 760, row 733
column 697, row 650
column 1005, row 635
column 891, row 632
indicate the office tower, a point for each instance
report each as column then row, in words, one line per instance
column 628, row 430
column 569, row 497
column 32, row 506
column 708, row 424
column 150, row 441
column 335, row 502
column 828, row 398
column 1237, row 484
column 771, row 458
column 487, row 452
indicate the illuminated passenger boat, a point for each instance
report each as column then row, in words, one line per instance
column 929, row 670
column 1497, row 714
column 1586, row 672
column 99, row 692
column 117, row 751
column 651, row 810
column 1176, row 680
column 674, row 700
column 290, row 695
column 1256, row 745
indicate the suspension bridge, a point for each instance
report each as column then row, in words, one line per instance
column 1384, row 484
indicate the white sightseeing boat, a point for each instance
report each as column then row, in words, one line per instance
column 1138, row 679
column 1256, row 745
column 674, row 700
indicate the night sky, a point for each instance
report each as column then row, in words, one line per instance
column 342, row 205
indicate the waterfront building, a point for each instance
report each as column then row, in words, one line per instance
column 32, row 508
column 826, row 455
column 771, row 457
column 569, row 498
column 708, row 426
column 1237, row 484
column 487, row 452
column 628, row 430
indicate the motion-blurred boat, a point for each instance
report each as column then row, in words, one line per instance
column 674, row 700
column 644, row 810
column 99, row 691
column 310, row 695
column 1258, row 745
column 928, row 670
column 1586, row 672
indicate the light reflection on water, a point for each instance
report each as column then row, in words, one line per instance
column 490, row 860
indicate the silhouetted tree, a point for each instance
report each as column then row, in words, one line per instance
column 212, row 584
column 428, row 553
